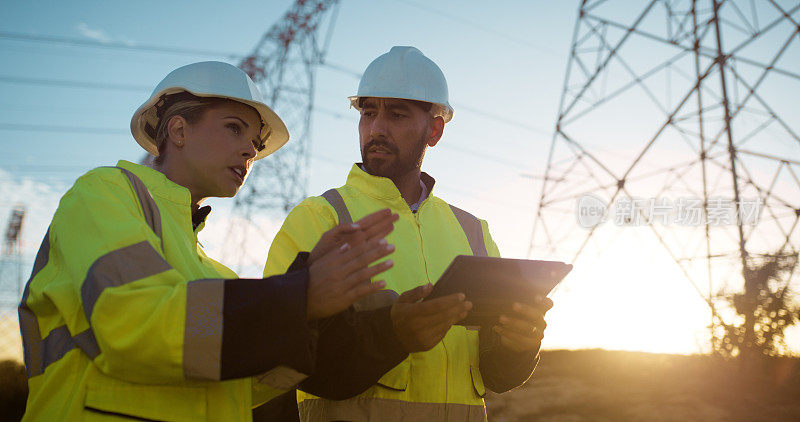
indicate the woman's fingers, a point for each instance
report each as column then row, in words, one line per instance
column 366, row 273
column 363, row 255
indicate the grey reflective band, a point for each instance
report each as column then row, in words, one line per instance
column 149, row 208
column 117, row 268
column 470, row 224
column 40, row 353
column 376, row 300
column 472, row 228
column 28, row 323
column 362, row 408
column 337, row 202
column 281, row 378
column 202, row 342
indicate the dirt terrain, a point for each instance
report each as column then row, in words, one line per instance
column 599, row 385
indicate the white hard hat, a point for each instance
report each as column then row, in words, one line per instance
column 208, row 79
column 405, row 73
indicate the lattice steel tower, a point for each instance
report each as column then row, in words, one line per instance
column 714, row 85
column 283, row 64
column 11, row 262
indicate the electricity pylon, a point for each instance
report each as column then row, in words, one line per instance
column 283, row 64
column 713, row 85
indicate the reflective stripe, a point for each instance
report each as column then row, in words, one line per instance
column 470, row 224
column 472, row 228
column 149, row 208
column 40, row 353
column 376, row 300
column 28, row 323
column 119, row 267
column 281, row 378
column 337, row 202
column 387, row 410
column 202, row 342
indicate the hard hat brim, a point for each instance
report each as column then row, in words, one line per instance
column 447, row 113
column 274, row 131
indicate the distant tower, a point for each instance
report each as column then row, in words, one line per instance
column 11, row 265
column 283, row 64
column 714, row 85
column 11, row 286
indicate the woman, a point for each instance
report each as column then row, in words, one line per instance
column 125, row 316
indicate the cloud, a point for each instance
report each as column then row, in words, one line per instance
column 95, row 34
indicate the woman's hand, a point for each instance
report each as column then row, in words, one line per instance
column 374, row 226
column 342, row 276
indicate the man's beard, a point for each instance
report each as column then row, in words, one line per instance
column 400, row 165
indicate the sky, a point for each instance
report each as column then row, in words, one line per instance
column 505, row 64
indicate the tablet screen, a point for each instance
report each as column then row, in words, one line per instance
column 494, row 284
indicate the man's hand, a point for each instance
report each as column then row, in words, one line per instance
column 374, row 226
column 342, row 276
column 421, row 325
column 524, row 330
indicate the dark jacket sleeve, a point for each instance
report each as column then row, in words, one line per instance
column 501, row 368
column 355, row 350
column 264, row 324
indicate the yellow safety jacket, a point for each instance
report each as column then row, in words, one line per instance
column 443, row 383
column 123, row 315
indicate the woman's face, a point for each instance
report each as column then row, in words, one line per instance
column 218, row 150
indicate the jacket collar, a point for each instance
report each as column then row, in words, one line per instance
column 381, row 187
column 159, row 185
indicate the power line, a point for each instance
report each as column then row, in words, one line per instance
column 56, row 128
column 16, row 36
column 480, row 27
column 129, row 87
column 72, row 83
column 79, row 42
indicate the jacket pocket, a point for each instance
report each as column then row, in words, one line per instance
column 145, row 402
column 397, row 378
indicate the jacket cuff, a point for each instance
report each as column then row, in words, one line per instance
column 300, row 262
column 389, row 347
column 264, row 325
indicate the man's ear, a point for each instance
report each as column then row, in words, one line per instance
column 435, row 131
column 176, row 131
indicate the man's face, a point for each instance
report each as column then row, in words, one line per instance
column 393, row 136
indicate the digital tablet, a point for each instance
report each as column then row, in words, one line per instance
column 494, row 284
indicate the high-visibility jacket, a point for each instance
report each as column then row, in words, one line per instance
column 444, row 383
column 125, row 316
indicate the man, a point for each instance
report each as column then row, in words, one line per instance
column 403, row 101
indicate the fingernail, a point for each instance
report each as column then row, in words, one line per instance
column 381, row 283
column 388, row 262
column 344, row 247
column 382, row 242
column 468, row 305
column 355, row 226
column 461, row 296
column 390, row 247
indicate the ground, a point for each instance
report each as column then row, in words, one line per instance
column 599, row 385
